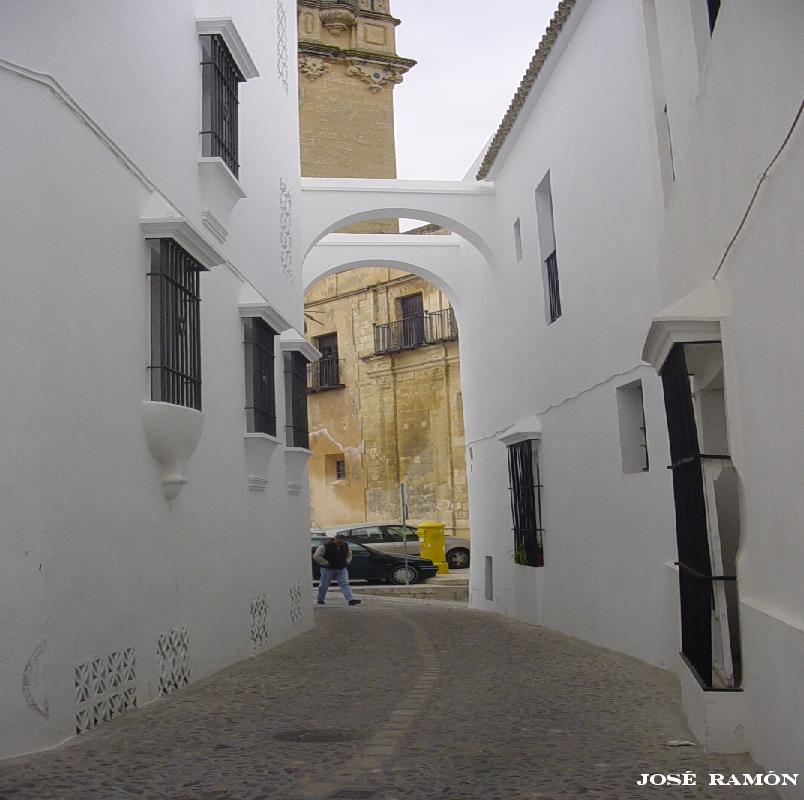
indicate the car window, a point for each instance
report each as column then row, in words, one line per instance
column 358, row 550
column 396, row 530
column 392, row 533
column 368, row 535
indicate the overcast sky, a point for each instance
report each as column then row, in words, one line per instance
column 472, row 55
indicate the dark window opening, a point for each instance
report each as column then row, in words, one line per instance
column 296, row 427
column 340, row 470
column 713, row 7
column 412, row 310
column 258, row 340
column 326, row 372
column 219, row 77
column 553, row 294
column 526, row 503
column 175, row 325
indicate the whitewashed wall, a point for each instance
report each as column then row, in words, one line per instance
column 609, row 540
column 732, row 100
column 93, row 558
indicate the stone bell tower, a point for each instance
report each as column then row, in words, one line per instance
column 348, row 67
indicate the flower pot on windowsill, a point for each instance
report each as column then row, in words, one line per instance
column 173, row 433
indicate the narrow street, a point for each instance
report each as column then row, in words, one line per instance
column 396, row 699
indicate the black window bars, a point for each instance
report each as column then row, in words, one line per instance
column 526, row 504
column 258, row 341
column 219, row 78
column 296, row 429
column 175, row 325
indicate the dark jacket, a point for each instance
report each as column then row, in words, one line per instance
column 336, row 557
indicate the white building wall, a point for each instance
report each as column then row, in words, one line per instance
column 93, row 558
column 609, row 540
column 730, row 114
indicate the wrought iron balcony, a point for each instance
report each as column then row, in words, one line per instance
column 324, row 374
column 405, row 334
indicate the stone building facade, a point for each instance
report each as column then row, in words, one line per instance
column 384, row 407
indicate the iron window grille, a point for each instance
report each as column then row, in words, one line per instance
column 296, row 429
column 324, row 374
column 526, row 504
column 258, row 340
column 431, row 327
column 554, row 298
column 175, row 367
column 340, row 470
column 219, row 78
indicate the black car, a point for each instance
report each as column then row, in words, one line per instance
column 372, row 565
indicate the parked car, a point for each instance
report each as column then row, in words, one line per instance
column 387, row 537
column 372, row 565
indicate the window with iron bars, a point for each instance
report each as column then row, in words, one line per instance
column 258, row 341
column 526, row 503
column 175, row 325
column 219, row 79
column 296, row 430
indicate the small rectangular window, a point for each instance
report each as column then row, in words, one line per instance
column 258, row 340
column 340, row 470
column 526, row 503
column 518, row 239
column 296, row 431
column 219, row 79
column 633, row 433
column 175, row 325
column 547, row 247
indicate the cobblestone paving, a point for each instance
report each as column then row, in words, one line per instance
column 432, row 700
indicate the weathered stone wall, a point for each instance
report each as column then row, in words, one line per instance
column 399, row 417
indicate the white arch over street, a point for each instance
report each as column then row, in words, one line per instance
column 465, row 207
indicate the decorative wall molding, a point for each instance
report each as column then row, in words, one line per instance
column 524, row 430
column 225, row 28
column 213, row 225
column 259, row 621
column 266, row 312
column 105, row 687
column 286, row 230
column 173, row 651
column 337, row 20
column 312, row 67
column 295, row 488
column 296, row 613
column 375, row 75
column 184, row 234
column 257, row 483
column 282, row 45
column 293, row 341
column 172, row 433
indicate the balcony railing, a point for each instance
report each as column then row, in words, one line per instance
column 405, row 334
column 324, row 374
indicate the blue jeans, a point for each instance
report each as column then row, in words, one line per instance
column 340, row 575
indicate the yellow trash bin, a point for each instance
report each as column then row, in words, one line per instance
column 431, row 540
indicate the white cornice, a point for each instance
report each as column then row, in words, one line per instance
column 292, row 341
column 396, row 186
column 184, row 234
column 267, row 313
column 225, row 28
column 693, row 318
column 529, row 428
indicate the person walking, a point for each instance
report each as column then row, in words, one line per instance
column 334, row 556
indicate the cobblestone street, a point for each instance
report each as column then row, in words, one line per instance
column 420, row 700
